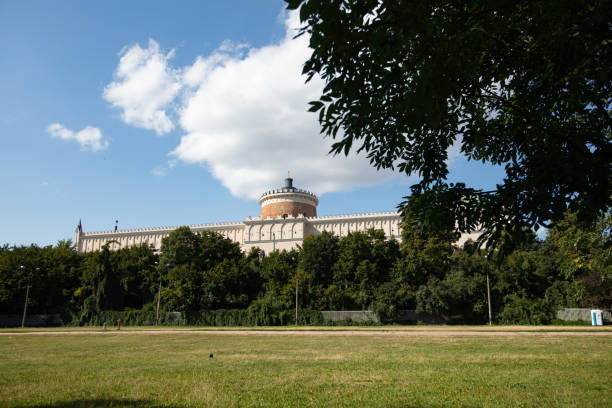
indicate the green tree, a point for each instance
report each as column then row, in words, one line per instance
column 51, row 272
column 318, row 256
column 182, row 247
column 585, row 256
column 115, row 280
column 520, row 84
column 353, row 265
column 138, row 275
column 278, row 272
column 182, row 264
column 423, row 254
column 205, row 271
column 98, row 289
column 364, row 261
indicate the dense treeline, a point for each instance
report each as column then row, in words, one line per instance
column 210, row 281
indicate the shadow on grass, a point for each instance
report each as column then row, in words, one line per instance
column 140, row 403
column 103, row 402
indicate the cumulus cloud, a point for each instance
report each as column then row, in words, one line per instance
column 144, row 87
column 90, row 138
column 243, row 114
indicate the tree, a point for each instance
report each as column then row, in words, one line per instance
column 115, row 280
column 520, row 84
column 424, row 253
column 138, row 276
column 278, row 270
column 206, row 271
column 52, row 272
column 585, row 255
column 318, row 255
column 364, row 261
column 182, row 247
column 181, row 262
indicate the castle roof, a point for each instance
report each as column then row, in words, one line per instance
column 288, row 188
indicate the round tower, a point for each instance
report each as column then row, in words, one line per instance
column 288, row 201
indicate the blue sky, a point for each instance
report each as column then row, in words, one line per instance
column 159, row 113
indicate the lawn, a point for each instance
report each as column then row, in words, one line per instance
column 176, row 370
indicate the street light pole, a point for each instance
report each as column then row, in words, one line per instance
column 158, row 300
column 489, row 292
column 296, row 294
column 159, row 296
column 25, row 305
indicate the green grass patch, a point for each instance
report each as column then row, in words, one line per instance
column 175, row 370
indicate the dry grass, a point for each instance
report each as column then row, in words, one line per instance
column 392, row 328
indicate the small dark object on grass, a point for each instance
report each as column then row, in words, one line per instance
column 211, row 356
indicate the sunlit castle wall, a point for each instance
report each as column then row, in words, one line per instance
column 288, row 202
column 288, row 215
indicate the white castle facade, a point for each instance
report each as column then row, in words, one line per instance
column 288, row 216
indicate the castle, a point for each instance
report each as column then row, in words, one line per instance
column 288, row 215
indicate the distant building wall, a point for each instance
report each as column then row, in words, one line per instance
column 288, row 216
column 267, row 234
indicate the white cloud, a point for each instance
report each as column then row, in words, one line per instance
column 244, row 115
column 158, row 171
column 144, row 87
column 247, row 121
column 90, row 138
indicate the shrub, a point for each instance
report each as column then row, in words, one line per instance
column 521, row 310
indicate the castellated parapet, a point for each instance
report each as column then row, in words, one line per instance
column 288, row 201
column 288, row 216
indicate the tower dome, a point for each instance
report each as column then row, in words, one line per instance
column 288, row 201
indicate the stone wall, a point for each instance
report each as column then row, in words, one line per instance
column 288, row 208
column 573, row 314
column 268, row 234
column 35, row 320
column 354, row 315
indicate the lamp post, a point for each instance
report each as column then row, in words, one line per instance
column 25, row 305
column 159, row 294
column 296, row 292
column 489, row 290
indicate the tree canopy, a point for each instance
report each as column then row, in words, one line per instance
column 520, row 84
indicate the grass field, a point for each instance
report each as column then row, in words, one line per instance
column 175, row 370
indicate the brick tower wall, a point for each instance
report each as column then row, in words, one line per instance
column 289, row 208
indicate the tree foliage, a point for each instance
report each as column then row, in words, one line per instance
column 520, row 84
column 51, row 272
column 205, row 271
column 208, row 279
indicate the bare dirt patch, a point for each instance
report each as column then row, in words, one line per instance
column 315, row 333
